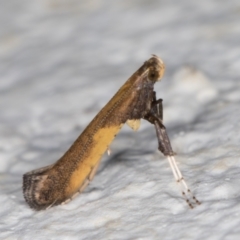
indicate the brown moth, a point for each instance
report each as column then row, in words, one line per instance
column 62, row 181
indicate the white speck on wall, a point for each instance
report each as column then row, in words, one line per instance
column 192, row 82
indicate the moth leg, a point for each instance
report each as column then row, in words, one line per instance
column 155, row 116
column 93, row 172
column 85, row 183
column 164, row 144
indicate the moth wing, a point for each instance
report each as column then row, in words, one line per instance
column 32, row 182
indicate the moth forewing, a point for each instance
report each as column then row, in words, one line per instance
column 62, row 181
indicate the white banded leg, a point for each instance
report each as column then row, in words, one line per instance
column 186, row 192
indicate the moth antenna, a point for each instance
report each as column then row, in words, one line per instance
column 160, row 60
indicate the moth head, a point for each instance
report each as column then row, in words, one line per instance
column 156, row 68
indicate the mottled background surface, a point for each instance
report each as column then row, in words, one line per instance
column 62, row 60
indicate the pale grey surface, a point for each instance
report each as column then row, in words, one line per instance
column 61, row 61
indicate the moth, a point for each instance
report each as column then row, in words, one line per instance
column 135, row 100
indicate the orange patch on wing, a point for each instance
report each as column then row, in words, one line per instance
column 101, row 139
